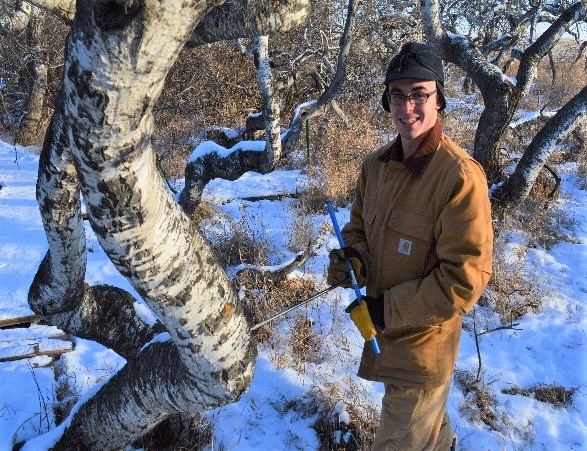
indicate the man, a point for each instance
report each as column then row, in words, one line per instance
column 420, row 238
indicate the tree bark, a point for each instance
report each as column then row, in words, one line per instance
column 232, row 19
column 30, row 129
column 272, row 154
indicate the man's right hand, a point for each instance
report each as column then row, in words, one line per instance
column 338, row 271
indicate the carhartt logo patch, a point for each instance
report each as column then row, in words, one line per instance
column 405, row 246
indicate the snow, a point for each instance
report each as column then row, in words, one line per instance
column 209, row 147
column 545, row 347
column 527, row 116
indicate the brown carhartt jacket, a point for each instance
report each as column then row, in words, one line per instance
column 424, row 228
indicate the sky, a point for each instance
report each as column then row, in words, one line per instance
column 546, row 347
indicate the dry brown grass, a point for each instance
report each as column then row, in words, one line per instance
column 239, row 241
column 304, row 342
column 554, row 394
column 537, row 222
column 544, row 223
column 15, row 74
column 66, row 393
column 569, row 78
column 460, row 126
column 265, row 297
column 552, row 90
column 207, row 86
column 480, row 404
column 327, row 403
column 301, row 232
column 513, row 294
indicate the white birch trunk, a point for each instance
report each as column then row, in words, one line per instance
column 115, row 67
column 270, row 103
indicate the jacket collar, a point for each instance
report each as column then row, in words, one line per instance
column 421, row 157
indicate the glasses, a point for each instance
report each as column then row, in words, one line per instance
column 417, row 98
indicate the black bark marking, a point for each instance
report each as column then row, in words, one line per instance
column 113, row 15
column 83, row 81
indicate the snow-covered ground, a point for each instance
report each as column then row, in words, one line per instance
column 547, row 347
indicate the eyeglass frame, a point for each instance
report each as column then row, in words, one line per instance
column 410, row 98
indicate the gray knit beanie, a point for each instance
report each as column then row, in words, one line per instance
column 415, row 60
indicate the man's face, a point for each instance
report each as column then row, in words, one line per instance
column 413, row 121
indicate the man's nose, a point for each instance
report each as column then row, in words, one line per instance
column 407, row 105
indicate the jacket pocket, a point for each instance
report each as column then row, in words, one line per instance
column 410, row 236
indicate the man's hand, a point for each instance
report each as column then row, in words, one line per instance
column 337, row 271
column 367, row 315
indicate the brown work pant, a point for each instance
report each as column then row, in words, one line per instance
column 414, row 419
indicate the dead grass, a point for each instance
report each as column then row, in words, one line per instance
column 66, row 393
column 304, row 342
column 460, row 126
column 330, row 404
column 570, row 77
column 237, row 241
column 480, row 404
column 537, row 223
column 265, row 297
column 554, row 394
column 336, row 153
column 301, row 232
column 173, row 147
column 513, row 294
column 544, row 223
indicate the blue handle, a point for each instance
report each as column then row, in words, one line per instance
column 374, row 343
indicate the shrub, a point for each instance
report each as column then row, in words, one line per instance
column 239, row 241
column 512, row 294
column 480, row 404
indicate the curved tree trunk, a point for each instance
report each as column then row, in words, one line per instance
column 500, row 94
column 116, row 63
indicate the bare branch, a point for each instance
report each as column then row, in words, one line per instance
column 533, row 54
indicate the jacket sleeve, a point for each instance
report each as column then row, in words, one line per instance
column 464, row 246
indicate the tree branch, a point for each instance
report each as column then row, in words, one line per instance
column 519, row 184
column 533, row 54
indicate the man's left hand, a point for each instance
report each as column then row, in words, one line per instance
column 367, row 314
